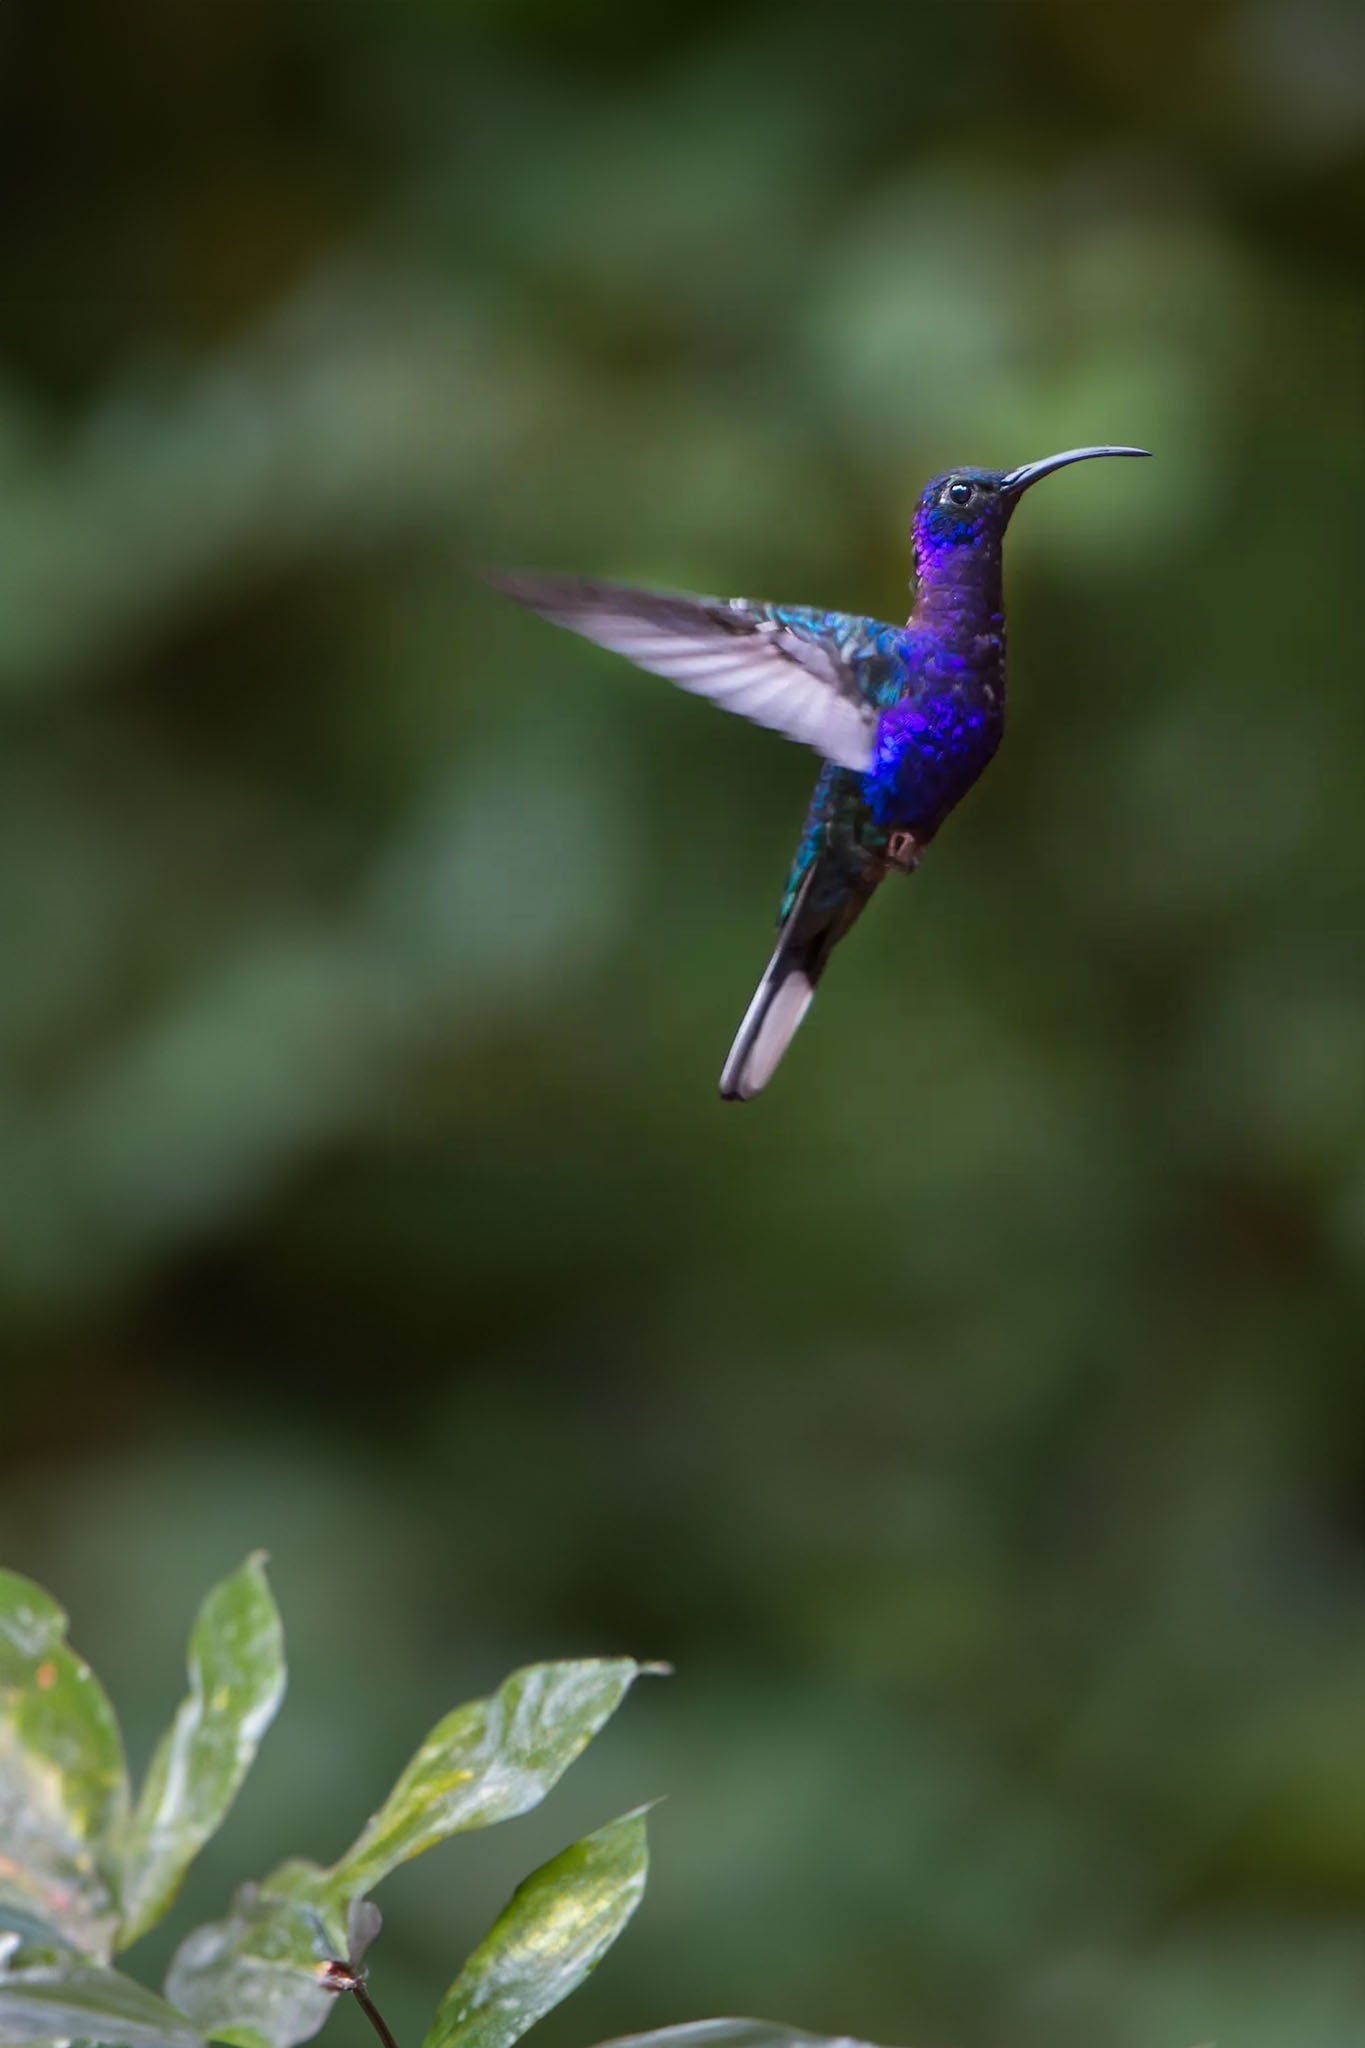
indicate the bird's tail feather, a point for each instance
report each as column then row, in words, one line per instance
column 780, row 1001
column 784, row 995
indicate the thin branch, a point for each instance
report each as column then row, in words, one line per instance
column 341, row 1977
column 373, row 2015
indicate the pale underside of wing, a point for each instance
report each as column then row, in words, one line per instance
column 797, row 680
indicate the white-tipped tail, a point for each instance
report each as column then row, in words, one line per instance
column 780, row 1001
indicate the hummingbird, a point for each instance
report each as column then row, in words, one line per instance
column 905, row 717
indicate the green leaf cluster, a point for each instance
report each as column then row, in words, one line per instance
column 86, row 1867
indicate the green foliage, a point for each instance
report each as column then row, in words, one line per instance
column 80, row 1877
column 86, row 2002
column 63, row 1781
column 558, row 1926
column 237, row 1679
column 486, row 1762
column 732, row 2033
column 253, row 1978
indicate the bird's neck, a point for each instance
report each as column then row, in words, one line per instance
column 959, row 596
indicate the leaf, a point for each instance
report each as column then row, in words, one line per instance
column 733, row 2033
column 237, row 1679
column 255, row 1978
column 63, row 1782
column 85, row 2002
column 488, row 1761
column 363, row 1923
column 558, row 1926
column 22, row 1929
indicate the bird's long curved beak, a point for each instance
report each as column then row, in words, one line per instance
column 1020, row 479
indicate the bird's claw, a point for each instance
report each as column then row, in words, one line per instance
column 902, row 853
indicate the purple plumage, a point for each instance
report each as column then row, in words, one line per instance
column 907, row 717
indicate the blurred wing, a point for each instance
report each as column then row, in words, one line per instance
column 811, row 675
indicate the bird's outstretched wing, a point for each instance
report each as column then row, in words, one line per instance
column 817, row 676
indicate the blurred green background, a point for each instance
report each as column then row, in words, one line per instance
column 976, row 1421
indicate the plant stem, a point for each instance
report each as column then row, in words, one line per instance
column 373, row 2015
column 341, row 1977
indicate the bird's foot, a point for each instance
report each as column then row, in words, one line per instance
column 902, row 852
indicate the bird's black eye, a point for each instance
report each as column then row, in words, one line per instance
column 960, row 493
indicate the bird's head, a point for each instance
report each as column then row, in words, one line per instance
column 970, row 508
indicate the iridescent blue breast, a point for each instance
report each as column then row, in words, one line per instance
column 931, row 747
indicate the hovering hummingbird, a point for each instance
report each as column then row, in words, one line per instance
column 906, row 717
